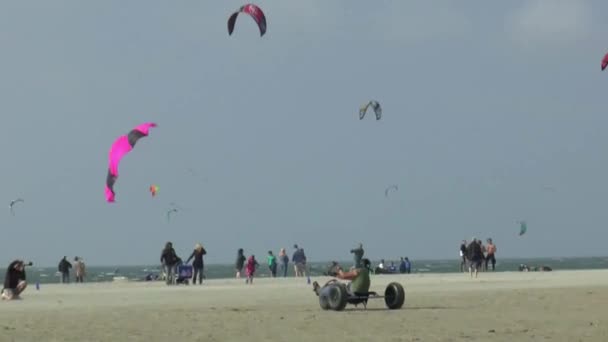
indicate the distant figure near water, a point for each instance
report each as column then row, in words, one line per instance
column 252, row 265
column 463, row 255
column 284, row 259
column 475, row 256
column 272, row 264
column 490, row 256
column 240, row 262
column 79, row 270
column 358, row 255
column 299, row 260
column 64, row 268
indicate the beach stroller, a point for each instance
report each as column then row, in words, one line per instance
column 184, row 274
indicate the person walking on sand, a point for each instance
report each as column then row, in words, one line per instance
column 252, row 265
column 491, row 256
column 463, row 255
column 79, row 270
column 299, row 260
column 272, row 264
column 240, row 262
column 475, row 256
column 284, row 259
column 197, row 264
column 64, row 268
column 168, row 259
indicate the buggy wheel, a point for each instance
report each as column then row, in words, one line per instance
column 337, row 297
column 394, row 296
column 324, row 301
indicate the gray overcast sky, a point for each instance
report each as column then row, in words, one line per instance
column 485, row 105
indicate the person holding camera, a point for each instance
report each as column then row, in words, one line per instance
column 14, row 281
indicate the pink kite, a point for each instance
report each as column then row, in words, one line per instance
column 605, row 62
column 123, row 145
column 255, row 12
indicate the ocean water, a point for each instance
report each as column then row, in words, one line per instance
column 107, row 273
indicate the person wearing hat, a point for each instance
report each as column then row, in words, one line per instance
column 198, row 263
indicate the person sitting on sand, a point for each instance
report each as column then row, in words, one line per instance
column 14, row 281
column 359, row 279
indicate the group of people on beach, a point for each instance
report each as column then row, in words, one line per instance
column 64, row 267
column 477, row 255
column 171, row 263
column 15, row 278
column 251, row 264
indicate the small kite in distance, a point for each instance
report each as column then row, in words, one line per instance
column 255, row 12
column 523, row 228
column 386, row 191
column 153, row 190
column 169, row 212
column 13, row 202
column 375, row 106
column 605, row 62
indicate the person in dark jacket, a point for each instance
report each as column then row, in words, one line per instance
column 198, row 263
column 284, row 259
column 358, row 255
column 240, row 262
column 14, row 281
column 463, row 255
column 64, row 268
column 475, row 256
column 168, row 259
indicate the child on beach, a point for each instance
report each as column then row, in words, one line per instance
column 252, row 264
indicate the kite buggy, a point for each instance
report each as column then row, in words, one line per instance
column 336, row 296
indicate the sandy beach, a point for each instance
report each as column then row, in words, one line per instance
column 550, row 306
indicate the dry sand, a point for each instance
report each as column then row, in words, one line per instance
column 550, row 306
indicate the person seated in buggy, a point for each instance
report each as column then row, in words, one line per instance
column 359, row 279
